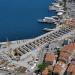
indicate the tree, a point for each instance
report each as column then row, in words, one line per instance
column 50, row 73
column 42, row 66
column 58, row 53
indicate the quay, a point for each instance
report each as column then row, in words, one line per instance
column 25, row 55
column 31, row 48
column 41, row 41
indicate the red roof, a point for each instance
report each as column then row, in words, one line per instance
column 66, row 51
column 59, row 67
column 70, row 22
column 50, row 57
column 45, row 71
column 71, row 69
column 69, row 48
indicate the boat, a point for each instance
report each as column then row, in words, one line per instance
column 55, row 17
column 60, row 10
column 47, row 20
column 60, row 13
column 47, row 29
column 55, row 7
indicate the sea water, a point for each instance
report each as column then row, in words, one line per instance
column 18, row 18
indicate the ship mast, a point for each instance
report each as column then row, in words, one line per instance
column 7, row 43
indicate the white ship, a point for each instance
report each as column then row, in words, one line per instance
column 47, row 20
column 48, row 29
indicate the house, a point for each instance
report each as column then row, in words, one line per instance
column 71, row 69
column 67, row 52
column 21, row 69
column 50, row 68
column 45, row 71
column 64, row 56
column 70, row 22
column 73, row 60
column 59, row 68
column 50, row 59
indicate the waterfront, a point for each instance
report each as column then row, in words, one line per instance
column 51, row 53
column 18, row 19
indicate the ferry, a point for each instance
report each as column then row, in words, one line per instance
column 47, row 20
column 52, row 19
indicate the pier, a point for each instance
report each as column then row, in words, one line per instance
column 41, row 41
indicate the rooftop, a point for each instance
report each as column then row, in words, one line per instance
column 69, row 48
column 50, row 57
column 45, row 71
column 71, row 69
column 59, row 67
column 64, row 55
column 70, row 22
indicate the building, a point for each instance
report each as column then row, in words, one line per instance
column 21, row 69
column 73, row 60
column 45, row 71
column 67, row 52
column 65, row 57
column 71, row 69
column 59, row 68
column 50, row 59
column 70, row 21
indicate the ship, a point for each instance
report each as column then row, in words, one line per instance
column 55, row 7
column 52, row 19
column 61, row 10
column 47, row 29
column 47, row 20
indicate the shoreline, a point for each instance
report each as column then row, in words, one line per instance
column 27, row 54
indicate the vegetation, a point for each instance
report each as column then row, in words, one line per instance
column 58, row 53
column 50, row 73
column 42, row 66
column 55, row 74
column 57, row 50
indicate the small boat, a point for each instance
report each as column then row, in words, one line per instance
column 55, row 6
column 55, row 17
column 48, row 29
column 60, row 10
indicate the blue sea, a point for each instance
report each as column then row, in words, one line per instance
column 18, row 18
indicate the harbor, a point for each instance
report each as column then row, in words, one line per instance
column 18, row 19
column 54, row 49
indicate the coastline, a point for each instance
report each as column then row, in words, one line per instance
column 24, row 56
